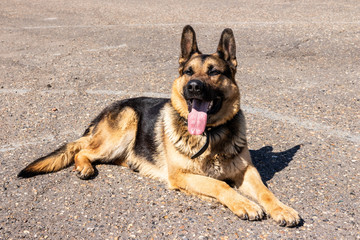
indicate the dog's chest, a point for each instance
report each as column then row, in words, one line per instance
column 221, row 166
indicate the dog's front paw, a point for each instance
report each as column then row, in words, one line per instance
column 248, row 210
column 285, row 216
column 85, row 171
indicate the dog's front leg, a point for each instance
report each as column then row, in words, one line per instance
column 210, row 187
column 181, row 176
column 253, row 186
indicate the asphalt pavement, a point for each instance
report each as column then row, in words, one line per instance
column 61, row 62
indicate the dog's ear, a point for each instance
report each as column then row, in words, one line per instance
column 188, row 45
column 227, row 48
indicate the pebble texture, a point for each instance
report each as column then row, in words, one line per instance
column 61, row 62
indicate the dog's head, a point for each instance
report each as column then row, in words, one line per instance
column 206, row 93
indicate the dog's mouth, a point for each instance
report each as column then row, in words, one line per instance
column 198, row 113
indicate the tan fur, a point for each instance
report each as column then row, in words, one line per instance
column 226, row 85
column 113, row 138
column 112, row 141
column 58, row 161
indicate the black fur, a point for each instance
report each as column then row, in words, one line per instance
column 147, row 110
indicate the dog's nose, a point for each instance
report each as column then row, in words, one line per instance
column 195, row 86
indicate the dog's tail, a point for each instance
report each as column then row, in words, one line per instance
column 55, row 161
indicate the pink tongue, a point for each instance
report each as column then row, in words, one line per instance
column 198, row 117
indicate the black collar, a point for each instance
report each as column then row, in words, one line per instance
column 206, row 145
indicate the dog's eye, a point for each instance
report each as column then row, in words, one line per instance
column 214, row 72
column 189, row 71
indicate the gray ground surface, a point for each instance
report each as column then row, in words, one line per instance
column 61, row 62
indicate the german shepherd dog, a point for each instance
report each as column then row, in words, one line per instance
column 195, row 141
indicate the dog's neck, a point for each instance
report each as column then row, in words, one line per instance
column 206, row 133
column 213, row 137
column 206, row 145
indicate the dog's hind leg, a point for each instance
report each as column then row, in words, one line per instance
column 83, row 165
column 110, row 141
